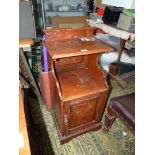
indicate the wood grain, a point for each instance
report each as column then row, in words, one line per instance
column 63, row 49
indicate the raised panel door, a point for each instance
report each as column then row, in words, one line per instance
column 82, row 114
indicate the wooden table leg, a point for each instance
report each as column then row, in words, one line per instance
column 120, row 50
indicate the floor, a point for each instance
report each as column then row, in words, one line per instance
column 44, row 137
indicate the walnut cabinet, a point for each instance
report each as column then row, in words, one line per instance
column 77, row 85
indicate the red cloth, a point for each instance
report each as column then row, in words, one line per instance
column 100, row 12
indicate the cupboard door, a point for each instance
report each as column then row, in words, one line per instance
column 82, row 114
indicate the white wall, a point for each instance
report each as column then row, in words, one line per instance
column 130, row 4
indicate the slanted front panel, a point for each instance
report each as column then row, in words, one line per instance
column 82, row 114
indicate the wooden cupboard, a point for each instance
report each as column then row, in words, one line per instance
column 77, row 85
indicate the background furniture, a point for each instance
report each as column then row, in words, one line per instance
column 25, row 72
column 69, row 21
column 26, row 35
column 119, row 71
column 124, row 108
column 51, row 8
column 122, row 34
column 78, row 86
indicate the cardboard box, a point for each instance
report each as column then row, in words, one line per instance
column 126, row 23
column 100, row 5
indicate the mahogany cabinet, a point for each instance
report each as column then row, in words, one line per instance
column 77, row 85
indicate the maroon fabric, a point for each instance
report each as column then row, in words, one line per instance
column 125, row 107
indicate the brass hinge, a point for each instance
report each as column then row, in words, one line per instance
column 66, row 119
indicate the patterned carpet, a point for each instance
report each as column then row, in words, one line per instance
column 44, row 137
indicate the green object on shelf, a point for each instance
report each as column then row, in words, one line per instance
column 129, row 12
column 36, row 62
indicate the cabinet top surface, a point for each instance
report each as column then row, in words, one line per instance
column 61, row 43
column 75, row 47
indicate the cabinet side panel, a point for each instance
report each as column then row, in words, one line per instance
column 101, row 106
column 55, row 97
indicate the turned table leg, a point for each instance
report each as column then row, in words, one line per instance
column 120, row 50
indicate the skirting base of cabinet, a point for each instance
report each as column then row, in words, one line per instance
column 67, row 138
